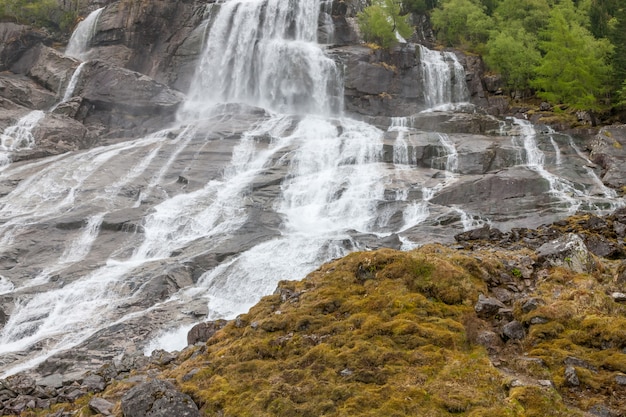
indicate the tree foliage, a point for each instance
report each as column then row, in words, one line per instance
column 574, row 68
column 38, row 13
column 382, row 22
column 514, row 54
column 462, row 22
column 567, row 51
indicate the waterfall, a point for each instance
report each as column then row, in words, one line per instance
column 78, row 46
column 443, row 77
column 264, row 53
column 401, row 151
column 18, row 137
column 263, row 179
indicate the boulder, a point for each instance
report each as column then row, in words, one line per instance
column 157, row 399
column 127, row 102
column 603, row 247
column 20, row 384
column 109, row 87
column 159, row 38
column 51, row 381
column 48, row 67
column 571, row 378
column 54, row 134
column 568, row 251
column 488, row 307
column 204, row 331
column 101, row 406
column 608, row 149
column 15, row 40
column 25, row 92
column 514, row 330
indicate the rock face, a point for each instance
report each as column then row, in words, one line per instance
column 381, row 83
column 129, row 102
column 608, row 150
column 15, row 41
column 157, row 399
column 158, row 38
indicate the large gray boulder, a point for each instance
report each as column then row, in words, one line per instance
column 568, row 251
column 25, row 92
column 126, row 102
column 48, row 67
column 15, row 40
column 157, row 399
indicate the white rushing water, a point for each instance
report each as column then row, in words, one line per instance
column 78, row 46
column 443, row 77
column 18, row 137
column 265, row 53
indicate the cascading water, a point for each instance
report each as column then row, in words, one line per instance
column 443, row 77
column 78, row 46
column 265, row 53
column 18, row 136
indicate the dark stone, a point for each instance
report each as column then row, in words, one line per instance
column 502, row 294
column 101, row 406
column 157, row 399
column 204, row 331
column 162, row 357
column 489, row 340
column 487, row 307
column 571, row 378
column 514, row 330
column 620, row 379
column 15, row 40
column 531, row 304
column 603, row 247
column 600, row 410
column 94, row 383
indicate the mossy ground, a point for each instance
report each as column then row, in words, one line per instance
column 374, row 334
column 390, row 333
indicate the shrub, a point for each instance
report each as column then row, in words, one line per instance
column 382, row 24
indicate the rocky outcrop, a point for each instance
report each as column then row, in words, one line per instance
column 126, row 102
column 157, row 399
column 15, row 41
column 158, row 38
column 48, row 67
column 608, row 150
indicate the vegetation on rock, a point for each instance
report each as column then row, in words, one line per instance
column 569, row 52
column 383, row 23
column 40, row 13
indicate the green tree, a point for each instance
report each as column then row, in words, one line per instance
column 531, row 14
column 600, row 14
column 617, row 36
column 382, row 22
column 514, row 54
column 574, row 69
column 39, row 13
column 462, row 22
